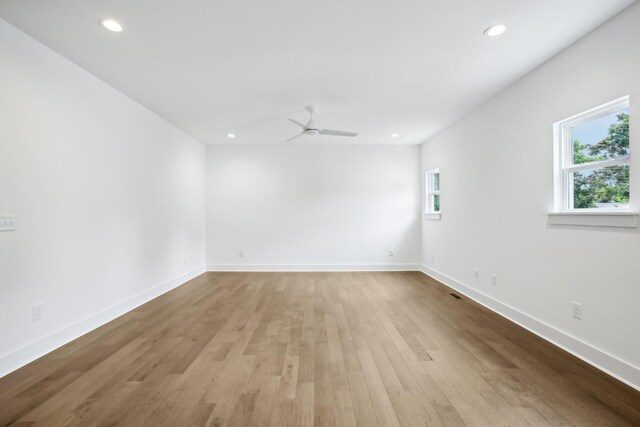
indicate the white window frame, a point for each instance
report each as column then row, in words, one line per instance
column 431, row 192
column 564, row 213
column 564, row 167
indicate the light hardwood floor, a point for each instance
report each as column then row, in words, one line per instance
column 303, row 349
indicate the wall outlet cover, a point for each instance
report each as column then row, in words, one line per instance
column 577, row 310
column 7, row 223
column 37, row 311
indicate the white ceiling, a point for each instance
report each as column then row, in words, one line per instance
column 372, row 66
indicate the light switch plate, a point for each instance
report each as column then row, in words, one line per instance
column 7, row 223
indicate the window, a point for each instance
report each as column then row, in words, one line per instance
column 592, row 160
column 433, row 192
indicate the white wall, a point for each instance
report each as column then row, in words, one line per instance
column 305, row 206
column 110, row 203
column 497, row 183
column 109, row 200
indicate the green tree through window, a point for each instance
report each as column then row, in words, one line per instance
column 604, row 185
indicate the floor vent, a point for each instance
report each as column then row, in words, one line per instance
column 456, row 296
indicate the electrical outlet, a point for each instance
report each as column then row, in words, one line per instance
column 7, row 223
column 433, row 258
column 241, row 254
column 37, row 311
column 577, row 310
column 476, row 273
column 184, row 260
column 391, row 252
column 494, row 279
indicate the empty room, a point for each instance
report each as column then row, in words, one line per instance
column 320, row 213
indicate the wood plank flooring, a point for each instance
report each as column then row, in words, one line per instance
column 302, row 349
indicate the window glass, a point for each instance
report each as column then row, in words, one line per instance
column 433, row 191
column 592, row 159
column 606, row 137
column 601, row 188
column 436, row 181
column 436, row 203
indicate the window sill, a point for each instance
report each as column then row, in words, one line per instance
column 595, row 219
column 434, row 216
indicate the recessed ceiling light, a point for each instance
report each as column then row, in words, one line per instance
column 231, row 135
column 394, row 135
column 495, row 30
column 112, row 25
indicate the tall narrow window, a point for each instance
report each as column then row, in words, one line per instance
column 592, row 159
column 433, row 191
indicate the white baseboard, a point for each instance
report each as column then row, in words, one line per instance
column 619, row 369
column 312, row 267
column 19, row 357
column 600, row 359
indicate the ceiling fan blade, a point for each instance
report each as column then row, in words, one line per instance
column 336, row 132
column 298, row 123
column 295, row 137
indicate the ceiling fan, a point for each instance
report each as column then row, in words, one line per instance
column 311, row 129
